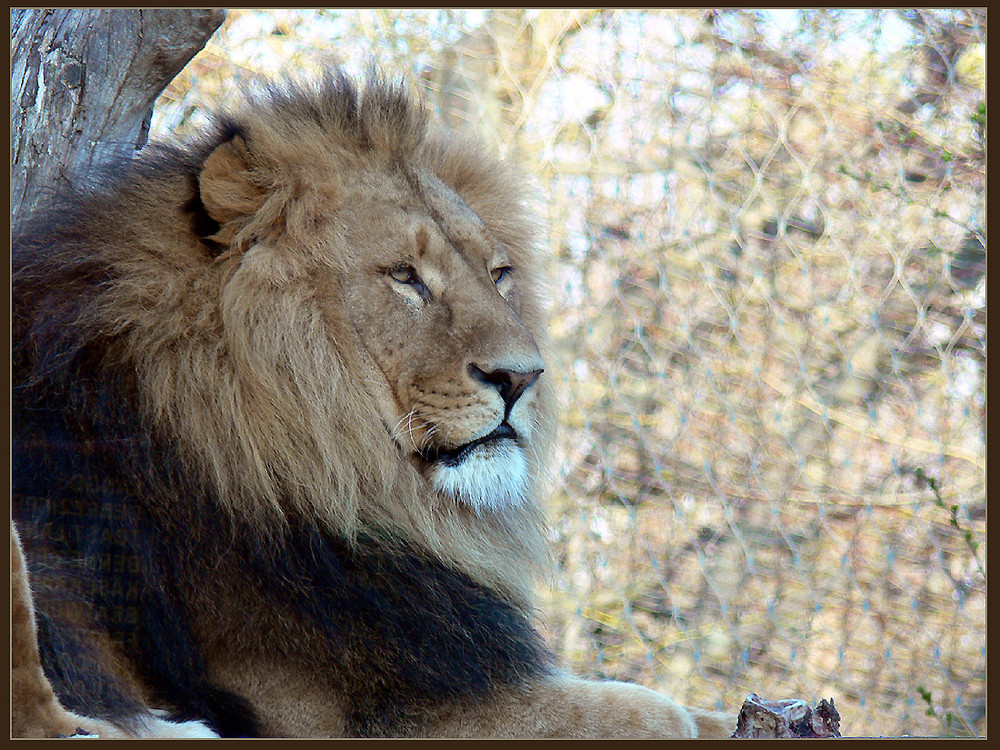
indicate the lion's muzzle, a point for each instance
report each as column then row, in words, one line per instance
column 510, row 383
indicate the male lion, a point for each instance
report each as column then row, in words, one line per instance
column 279, row 418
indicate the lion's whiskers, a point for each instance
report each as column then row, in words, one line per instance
column 426, row 438
column 398, row 431
column 408, row 424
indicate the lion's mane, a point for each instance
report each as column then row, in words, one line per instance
column 177, row 413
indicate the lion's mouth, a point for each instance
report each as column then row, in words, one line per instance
column 455, row 456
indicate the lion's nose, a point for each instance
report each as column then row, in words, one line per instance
column 510, row 383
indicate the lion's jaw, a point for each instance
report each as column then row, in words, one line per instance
column 491, row 478
column 436, row 306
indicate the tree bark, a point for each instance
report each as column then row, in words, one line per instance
column 83, row 85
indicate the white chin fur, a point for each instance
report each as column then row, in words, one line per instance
column 491, row 479
column 155, row 726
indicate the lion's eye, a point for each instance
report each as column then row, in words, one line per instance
column 408, row 275
column 404, row 275
column 500, row 273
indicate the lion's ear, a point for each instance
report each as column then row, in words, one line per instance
column 228, row 192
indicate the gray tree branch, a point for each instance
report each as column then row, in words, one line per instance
column 83, row 85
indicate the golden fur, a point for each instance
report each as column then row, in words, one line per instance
column 326, row 334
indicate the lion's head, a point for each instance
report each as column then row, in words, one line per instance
column 333, row 309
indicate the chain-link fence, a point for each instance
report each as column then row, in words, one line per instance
column 769, row 308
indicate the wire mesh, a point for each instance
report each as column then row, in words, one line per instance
column 768, row 232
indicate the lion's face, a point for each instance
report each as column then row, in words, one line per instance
column 381, row 318
column 434, row 301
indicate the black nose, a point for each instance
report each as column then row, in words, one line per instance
column 510, row 383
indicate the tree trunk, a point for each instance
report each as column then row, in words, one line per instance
column 83, row 85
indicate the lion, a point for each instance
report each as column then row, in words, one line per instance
column 281, row 423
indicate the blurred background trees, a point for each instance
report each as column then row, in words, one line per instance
column 769, row 252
